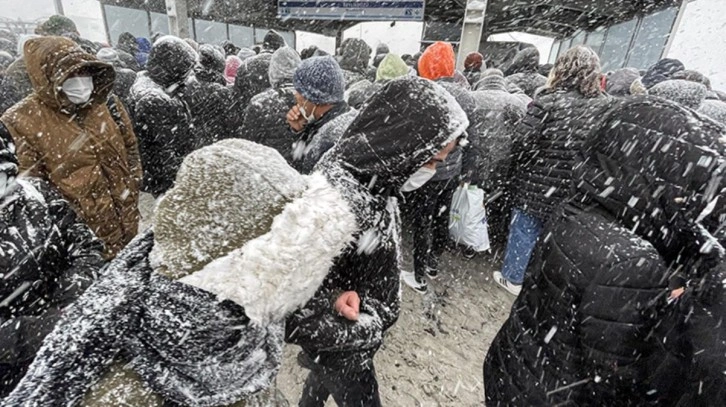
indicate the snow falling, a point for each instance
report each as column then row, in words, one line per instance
column 370, row 203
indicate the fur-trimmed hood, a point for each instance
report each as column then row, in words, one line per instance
column 278, row 272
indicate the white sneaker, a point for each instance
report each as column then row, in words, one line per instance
column 511, row 288
column 409, row 278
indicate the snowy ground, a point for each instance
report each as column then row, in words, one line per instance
column 433, row 356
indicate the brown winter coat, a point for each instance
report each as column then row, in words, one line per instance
column 91, row 158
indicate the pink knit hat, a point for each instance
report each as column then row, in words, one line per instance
column 230, row 69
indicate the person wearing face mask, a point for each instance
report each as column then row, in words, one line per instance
column 72, row 134
column 53, row 257
column 342, row 327
column 319, row 116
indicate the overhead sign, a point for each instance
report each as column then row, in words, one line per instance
column 352, row 10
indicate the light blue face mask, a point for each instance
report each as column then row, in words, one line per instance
column 418, row 179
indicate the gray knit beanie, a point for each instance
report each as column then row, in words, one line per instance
column 320, row 80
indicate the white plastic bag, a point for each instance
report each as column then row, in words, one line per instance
column 468, row 218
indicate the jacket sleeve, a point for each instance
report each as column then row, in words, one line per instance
column 130, row 142
column 248, row 130
column 83, row 249
column 87, row 338
column 318, row 327
column 29, row 159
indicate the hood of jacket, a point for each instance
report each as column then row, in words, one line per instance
column 438, row 61
column 171, row 60
column 619, row 81
column 273, row 41
column 211, row 64
column 283, row 64
column 234, row 223
column 526, row 61
column 661, row 71
column 253, row 75
column 400, row 129
column 52, row 60
column 354, row 56
column 685, row 93
column 391, row 67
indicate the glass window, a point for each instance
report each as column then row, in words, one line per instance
column 578, row 39
column 242, row 36
column 159, row 23
column 210, row 32
column 652, row 38
column 595, row 39
column 565, row 46
column 289, row 37
column 616, row 45
column 122, row 19
column 554, row 52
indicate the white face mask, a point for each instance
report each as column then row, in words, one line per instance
column 78, row 89
column 304, row 114
column 418, row 179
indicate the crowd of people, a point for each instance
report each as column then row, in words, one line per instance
column 278, row 178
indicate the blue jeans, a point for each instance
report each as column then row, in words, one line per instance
column 523, row 234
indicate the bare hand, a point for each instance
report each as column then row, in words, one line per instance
column 295, row 120
column 677, row 293
column 348, row 305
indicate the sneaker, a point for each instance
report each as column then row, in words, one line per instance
column 511, row 288
column 410, row 279
column 432, row 273
column 469, row 253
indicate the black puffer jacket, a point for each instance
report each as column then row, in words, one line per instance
column 47, row 258
column 545, row 146
column 252, row 79
column 8, row 94
column 209, row 104
column 367, row 156
column 161, row 115
column 592, row 325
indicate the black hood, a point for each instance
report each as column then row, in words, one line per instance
column 655, row 167
column 170, row 61
column 273, row 41
column 354, row 55
column 127, row 42
column 401, row 128
column 253, row 75
column 661, row 71
column 526, row 61
column 211, row 65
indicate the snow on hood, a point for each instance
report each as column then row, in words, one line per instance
column 283, row 64
column 280, row 271
column 242, row 224
column 400, row 129
column 687, row 93
column 170, row 61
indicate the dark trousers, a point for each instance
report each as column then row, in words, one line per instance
column 429, row 208
column 349, row 387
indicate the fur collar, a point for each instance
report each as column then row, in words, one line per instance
column 276, row 273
